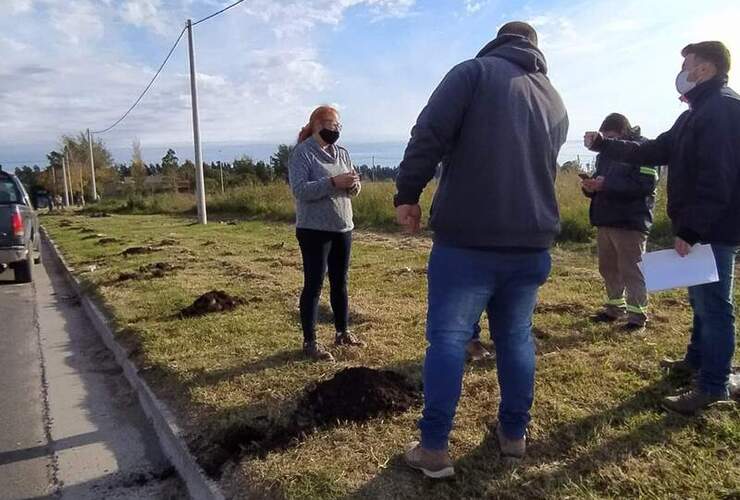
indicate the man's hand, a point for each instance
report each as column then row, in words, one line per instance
column 593, row 185
column 409, row 216
column 682, row 248
column 345, row 181
column 591, row 138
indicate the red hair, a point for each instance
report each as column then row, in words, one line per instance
column 320, row 114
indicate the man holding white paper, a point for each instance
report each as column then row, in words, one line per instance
column 702, row 151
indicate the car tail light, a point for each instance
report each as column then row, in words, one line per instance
column 16, row 223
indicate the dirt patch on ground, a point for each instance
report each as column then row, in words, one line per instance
column 559, row 308
column 65, row 223
column 352, row 394
column 107, row 240
column 211, row 302
column 98, row 215
column 86, row 230
column 138, row 251
column 149, row 271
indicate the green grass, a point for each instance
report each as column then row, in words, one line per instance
column 597, row 429
column 373, row 209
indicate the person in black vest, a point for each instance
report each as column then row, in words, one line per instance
column 702, row 151
column 622, row 200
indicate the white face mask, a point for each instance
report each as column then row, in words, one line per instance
column 683, row 85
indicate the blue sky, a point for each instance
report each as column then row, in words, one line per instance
column 68, row 65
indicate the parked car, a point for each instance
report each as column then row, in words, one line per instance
column 19, row 229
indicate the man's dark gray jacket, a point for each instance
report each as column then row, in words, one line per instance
column 499, row 124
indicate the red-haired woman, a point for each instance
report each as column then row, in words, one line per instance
column 323, row 183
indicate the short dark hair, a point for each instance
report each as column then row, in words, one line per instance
column 616, row 122
column 713, row 52
column 519, row 28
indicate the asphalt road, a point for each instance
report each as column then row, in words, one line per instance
column 70, row 425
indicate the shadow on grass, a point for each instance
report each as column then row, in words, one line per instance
column 552, row 461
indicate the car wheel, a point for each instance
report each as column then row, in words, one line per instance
column 24, row 270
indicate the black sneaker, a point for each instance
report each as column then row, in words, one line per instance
column 691, row 402
column 678, row 366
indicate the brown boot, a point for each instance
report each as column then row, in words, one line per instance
column 316, row 351
column 476, row 351
column 512, row 449
column 348, row 339
column 433, row 463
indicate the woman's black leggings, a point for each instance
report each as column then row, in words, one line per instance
column 324, row 250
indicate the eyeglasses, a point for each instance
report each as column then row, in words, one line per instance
column 332, row 125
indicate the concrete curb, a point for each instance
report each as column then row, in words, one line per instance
column 169, row 433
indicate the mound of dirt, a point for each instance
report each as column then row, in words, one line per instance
column 126, row 276
column 137, row 251
column 353, row 394
column 107, row 240
column 213, row 301
column 97, row 215
column 158, row 269
column 356, row 394
column 65, row 223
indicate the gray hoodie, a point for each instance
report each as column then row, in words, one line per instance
column 499, row 124
column 319, row 205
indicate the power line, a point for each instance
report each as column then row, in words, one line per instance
column 219, row 12
column 147, row 87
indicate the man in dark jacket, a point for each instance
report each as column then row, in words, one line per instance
column 622, row 200
column 501, row 124
column 702, row 151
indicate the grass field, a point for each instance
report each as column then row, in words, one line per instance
column 372, row 210
column 597, row 429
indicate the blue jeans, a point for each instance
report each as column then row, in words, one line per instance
column 712, row 342
column 462, row 283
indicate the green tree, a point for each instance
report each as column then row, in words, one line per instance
column 170, row 167
column 279, row 161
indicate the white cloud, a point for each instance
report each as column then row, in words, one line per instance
column 473, row 6
column 145, row 13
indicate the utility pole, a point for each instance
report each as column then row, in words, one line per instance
column 92, row 167
column 69, row 177
column 82, row 189
column 64, row 176
column 221, row 167
column 199, row 182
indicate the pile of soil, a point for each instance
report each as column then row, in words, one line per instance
column 356, row 394
column 213, row 301
column 137, row 251
column 353, row 394
column 96, row 215
column 65, row 223
column 108, row 239
column 149, row 271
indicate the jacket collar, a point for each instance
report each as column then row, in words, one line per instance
column 701, row 92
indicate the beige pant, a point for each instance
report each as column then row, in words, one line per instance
column 620, row 250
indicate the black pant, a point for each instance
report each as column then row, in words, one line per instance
column 322, row 250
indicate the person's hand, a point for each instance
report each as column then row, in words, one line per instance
column 682, row 248
column 345, row 181
column 591, row 138
column 409, row 216
column 593, row 185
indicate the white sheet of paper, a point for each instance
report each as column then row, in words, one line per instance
column 665, row 269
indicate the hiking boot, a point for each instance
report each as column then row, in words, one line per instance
column 348, row 339
column 606, row 316
column 476, row 351
column 691, row 401
column 678, row 366
column 632, row 328
column 316, row 351
column 511, row 448
column 433, row 463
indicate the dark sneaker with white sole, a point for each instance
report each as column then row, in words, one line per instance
column 678, row 366
column 692, row 401
column 433, row 463
column 476, row 351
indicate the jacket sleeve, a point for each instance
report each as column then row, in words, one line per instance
column 716, row 175
column 632, row 182
column 299, row 177
column 654, row 152
column 435, row 131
